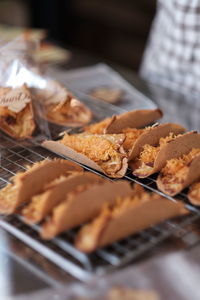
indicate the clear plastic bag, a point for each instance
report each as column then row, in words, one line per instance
column 23, row 87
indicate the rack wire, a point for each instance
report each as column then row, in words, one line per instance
column 15, row 157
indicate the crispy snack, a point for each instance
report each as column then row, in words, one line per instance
column 124, row 293
column 131, row 119
column 54, row 193
column 26, row 184
column 127, row 216
column 98, row 128
column 61, row 107
column 194, row 193
column 101, row 152
column 131, row 134
column 82, row 205
column 154, row 147
column 16, row 112
column 108, row 94
column 180, row 172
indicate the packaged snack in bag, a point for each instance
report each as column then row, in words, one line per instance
column 29, row 101
column 61, row 106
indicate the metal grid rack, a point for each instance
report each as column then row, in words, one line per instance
column 15, row 157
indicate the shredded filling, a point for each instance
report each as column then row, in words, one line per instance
column 8, row 194
column 99, row 127
column 102, row 149
column 145, row 162
column 131, row 135
column 21, row 124
column 176, row 170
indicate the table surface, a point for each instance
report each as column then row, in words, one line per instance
column 172, row 269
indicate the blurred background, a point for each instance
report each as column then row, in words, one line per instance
column 112, row 30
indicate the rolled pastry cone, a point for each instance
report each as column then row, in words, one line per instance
column 131, row 119
column 124, row 293
column 61, row 106
column 103, row 153
column 81, row 206
column 71, row 113
column 194, row 193
column 25, row 185
column 172, row 148
column 129, row 215
column 152, row 137
column 174, row 184
column 54, row 193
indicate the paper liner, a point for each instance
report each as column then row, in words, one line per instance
column 54, row 193
column 81, row 207
column 31, row 182
column 108, row 228
column 59, row 148
column 133, row 119
column 192, row 175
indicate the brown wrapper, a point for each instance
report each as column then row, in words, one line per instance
column 140, row 214
column 55, row 192
column 80, row 207
column 25, row 185
column 192, row 174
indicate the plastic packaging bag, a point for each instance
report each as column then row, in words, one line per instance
column 29, row 101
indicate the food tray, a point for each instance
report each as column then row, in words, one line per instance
column 60, row 250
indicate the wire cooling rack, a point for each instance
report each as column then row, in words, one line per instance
column 60, row 250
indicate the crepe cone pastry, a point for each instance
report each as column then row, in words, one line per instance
column 131, row 119
column 153, row 148
column 107, row 94
column 179, row 173
column 26, row 184
column 194, row 193
column 82, row 205
column 127, row 216
column 55, row 192
column 16, row 112
column 104, row 153
column 124, row 293
column 62, row 107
